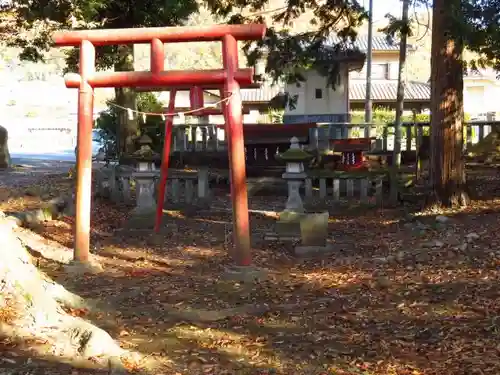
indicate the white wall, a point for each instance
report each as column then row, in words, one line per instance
column 379, row 60
column 251, row 118
column 333, row 101
column 481, row 96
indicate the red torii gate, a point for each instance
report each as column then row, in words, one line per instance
column 230, row 78
column 197, row 110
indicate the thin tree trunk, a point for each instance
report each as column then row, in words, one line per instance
column 399, row 108
column 447, row 166
column 128, row 128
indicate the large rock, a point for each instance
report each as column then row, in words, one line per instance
column 4, row 149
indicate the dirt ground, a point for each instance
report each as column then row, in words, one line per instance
column 22, row 189
column 408, row 294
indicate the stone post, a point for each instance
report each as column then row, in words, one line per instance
column 288, row 224
column 295, row 177
column 145, row 178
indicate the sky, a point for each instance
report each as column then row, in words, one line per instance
column 382, row 7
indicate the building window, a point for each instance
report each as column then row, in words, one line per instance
column 319, row 94
column 380, row 71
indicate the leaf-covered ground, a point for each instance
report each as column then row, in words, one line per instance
column 23, row 190
column 407, row 295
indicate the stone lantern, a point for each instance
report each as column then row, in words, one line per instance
column 294, row 222
column 288, row 224
column 294, row 158
column 145, row 176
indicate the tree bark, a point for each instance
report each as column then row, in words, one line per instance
column 128, row 128
column 447, row 165
column 394, row 191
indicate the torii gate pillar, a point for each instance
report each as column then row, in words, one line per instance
column 236, row 149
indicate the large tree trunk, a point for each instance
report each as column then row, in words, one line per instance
column 128, row 128
column 4, row 149
column 447, row 166
column 33, row 308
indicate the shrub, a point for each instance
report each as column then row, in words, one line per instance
column 107, row 122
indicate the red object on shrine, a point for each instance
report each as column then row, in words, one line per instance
column 352, row 150
column 196, row 97
column 169, row 124
column 178, row 79
column 236, row 149
column 108, row 37
column 230, row 77
column 252, row 85
column 212, row 112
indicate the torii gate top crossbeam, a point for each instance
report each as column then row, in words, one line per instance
column 105, row 37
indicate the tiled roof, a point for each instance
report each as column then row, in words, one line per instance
column 263, row 94
column 379, row 43
column 386, row 91
column 381, row 91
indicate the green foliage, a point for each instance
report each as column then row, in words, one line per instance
column 481, row 33
column 288, row 54
column 475, row 25
column 383, row 116
column 45, row 17
column 276, row 116
column 108, row 120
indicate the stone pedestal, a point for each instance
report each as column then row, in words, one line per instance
column 145, row 180
column 144, row 189
column 294, row 202
column 313, row 234
column 288, row 226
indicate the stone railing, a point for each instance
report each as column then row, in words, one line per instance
column 366, row 188
column 126, row 185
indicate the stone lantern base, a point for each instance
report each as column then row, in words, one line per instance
column 313, row 234
column 311, row 229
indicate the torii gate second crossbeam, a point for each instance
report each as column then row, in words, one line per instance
column 230, row 78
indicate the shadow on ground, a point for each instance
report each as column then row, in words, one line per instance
column 407, row 295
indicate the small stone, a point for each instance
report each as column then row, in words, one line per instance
column 380, row 260
column 379, row 273
column 463, row 246
column 452, row 240
column 391, row 258
column 90, row 267
column 472, row 236
column 434, row 244
column 400, row 256
column 421, row 225
column 245, row 274
column 383, row 282
column 423, row 257
column 442, row 219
